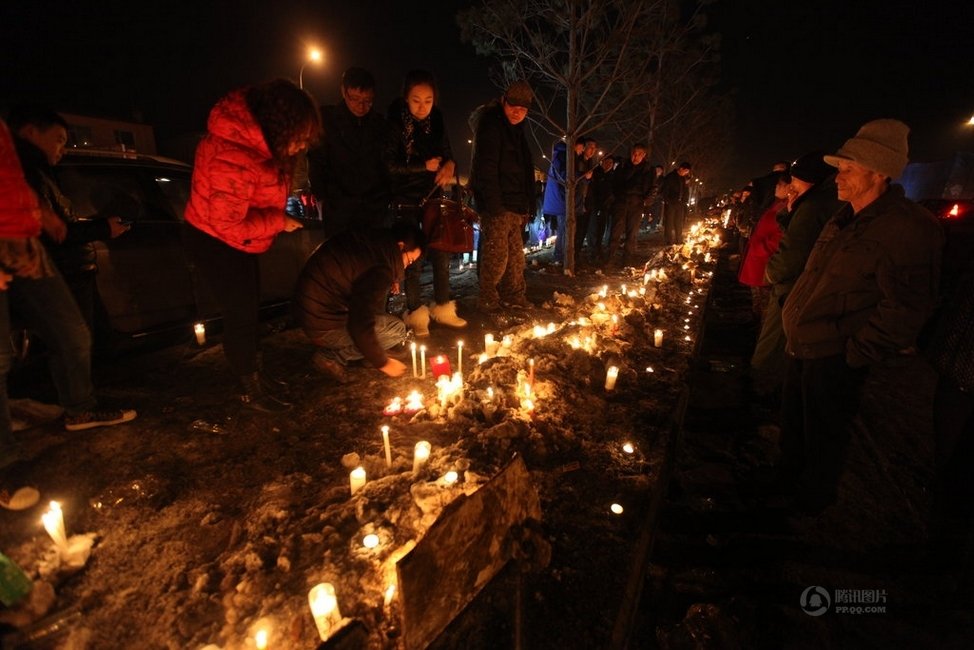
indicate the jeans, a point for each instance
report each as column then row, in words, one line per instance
column 47, row 307
column 337, row 344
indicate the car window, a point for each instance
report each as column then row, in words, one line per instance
column 132, row 192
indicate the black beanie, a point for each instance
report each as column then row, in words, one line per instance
column 812, row 168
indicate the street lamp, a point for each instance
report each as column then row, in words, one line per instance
column 970, row 122
column 314, row 56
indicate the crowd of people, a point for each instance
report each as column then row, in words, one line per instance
column 848, row 277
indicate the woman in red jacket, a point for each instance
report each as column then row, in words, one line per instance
column 241, row 181
column 762, row 245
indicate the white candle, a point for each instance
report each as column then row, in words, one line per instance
column 356, row 479
column 628, row 448
column 385, row 443
column 324, row 608
column 460, row 357
column 260, row 639
column 610, row 377
column 616, row 509
column 450, row 477
column 200, row 330
column 488, row 344
column 422, row 361
column 530, row 372
column 658, row 338
column 421, row 454
column 412, row 348
column 53, row 521
column 370, row 541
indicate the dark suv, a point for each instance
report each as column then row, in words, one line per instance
column 145, row 281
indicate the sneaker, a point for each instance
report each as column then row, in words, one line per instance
column 328, row 367
column 90, row 419
column 446, row 314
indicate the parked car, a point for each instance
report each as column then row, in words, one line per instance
column 146, row 283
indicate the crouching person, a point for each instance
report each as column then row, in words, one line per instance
column 341, row 297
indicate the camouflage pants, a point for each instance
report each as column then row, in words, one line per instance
column 501, row 263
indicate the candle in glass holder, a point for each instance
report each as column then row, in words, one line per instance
column 356, row 479
column 440, row 365
column 412, row 349
column 610, row 377
column 658, row 338
column 422, row 361
column 421, row 454
column 324, row 608
column 200, row 330
column 385, row 443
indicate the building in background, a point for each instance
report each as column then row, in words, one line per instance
column 115, row 135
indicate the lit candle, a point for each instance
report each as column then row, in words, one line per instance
column 488, row 344
column 483, row 357
column 616, row 509
column 324, row 608
column 390, row 593
column 530, row 372
column 200, row 330
column 414, row 402
column 394, row 407
column 658, row 338
column 439, row 366
column 422, row 361
column 628, row 448
column 356, row 479
column 460, row 357
column 53, row 521
column 385, row 443
column 610, row 377
column 370, row 541
column 421, row 454
column 450, row 477
column 412, row 348
column 490, row 393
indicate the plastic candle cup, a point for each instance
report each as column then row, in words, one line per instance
column 610, row 377
column 356, row 479
column 421, row 454
column 324, row 609
column 658, row 338
column 200, row 330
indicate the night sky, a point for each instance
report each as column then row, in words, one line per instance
column 803, row 76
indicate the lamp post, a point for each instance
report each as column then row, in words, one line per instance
column 314, row 56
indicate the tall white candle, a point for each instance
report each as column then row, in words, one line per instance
column 53, row 521
column 385, row 443
column 531, row 372
column 658, row 338
column 460, row 357
column 610, row 377
column 200, row 330
column 356, row 479
column 421, row 454
column 422, row 362
column 412, row 349
column 324, row 608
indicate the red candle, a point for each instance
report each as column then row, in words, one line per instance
column 440, row 365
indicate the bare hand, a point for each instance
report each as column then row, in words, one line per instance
column 52, row 225
column 447, row 173
column 117, row 227
column 433, row 164
column 290, row 225
column 394, row 289
column 393, row 367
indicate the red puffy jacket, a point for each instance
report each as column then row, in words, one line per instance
column 238, row 194
column 761, row 246
column 19, row 212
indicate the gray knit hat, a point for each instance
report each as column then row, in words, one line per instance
column 879, row 145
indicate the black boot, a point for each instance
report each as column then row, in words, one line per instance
column 255, row 398
column 271, row 383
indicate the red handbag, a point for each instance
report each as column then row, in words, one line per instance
column 448, row 225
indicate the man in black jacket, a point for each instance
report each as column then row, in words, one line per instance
column 502, row 178
column 633, row 186
column 40, row 136
column 341, row 294
column 347, row 172
column 675, row 192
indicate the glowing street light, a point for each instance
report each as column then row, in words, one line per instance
column 314, row 56
column 970, row 122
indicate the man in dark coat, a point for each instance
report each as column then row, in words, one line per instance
column 347, row 172
column 675, row 193
column 341, row 294
column 868, row 287
column 502, row 178
column 599, row 204
column 633, row 187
